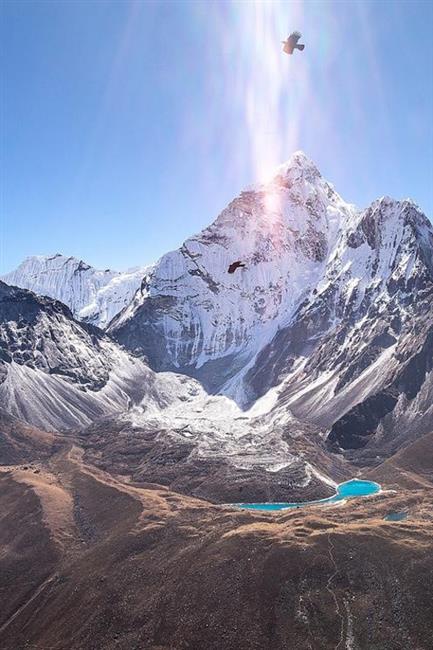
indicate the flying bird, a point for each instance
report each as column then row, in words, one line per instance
column 292, row 43
column 235, row 265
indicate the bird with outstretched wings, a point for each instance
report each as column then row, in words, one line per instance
column 291, row 43
column 235, row 265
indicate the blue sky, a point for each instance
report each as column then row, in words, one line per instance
column 128, row 126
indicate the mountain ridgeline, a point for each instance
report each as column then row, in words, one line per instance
column 329, row 322
column 93, row 296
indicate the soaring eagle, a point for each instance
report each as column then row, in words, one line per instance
column 234, row 265
column 292, row 43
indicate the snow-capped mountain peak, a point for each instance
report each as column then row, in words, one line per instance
column 282, row 231
column 299, row 165
column 321, row 312
column 93, row 295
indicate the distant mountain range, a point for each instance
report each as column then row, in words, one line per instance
column 92, row 296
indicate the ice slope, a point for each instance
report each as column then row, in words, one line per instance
column 331, row 307
column 58, row 373
column 92, row 295
column 190, row 312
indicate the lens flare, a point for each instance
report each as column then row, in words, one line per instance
column 266, row 85
column 269, row 103
column 265, row 78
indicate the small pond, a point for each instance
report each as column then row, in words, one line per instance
column 347, row 490
column 396, row 516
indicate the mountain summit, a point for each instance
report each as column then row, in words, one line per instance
column 283, row 231
column 332, row 309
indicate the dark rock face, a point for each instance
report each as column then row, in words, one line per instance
column 56, row 372
column 41, row 333
column 153, row 346
column 416, row 367
column 352, row 430
column 23, row 306
column 357, row 341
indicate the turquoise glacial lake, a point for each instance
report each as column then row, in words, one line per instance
column 347, row 490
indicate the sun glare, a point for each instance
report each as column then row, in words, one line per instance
column 262, row 81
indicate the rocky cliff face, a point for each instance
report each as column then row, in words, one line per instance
column 332, row 309
column 192, row 315
column 56, row 372
column 359, row 350
column 93, row 296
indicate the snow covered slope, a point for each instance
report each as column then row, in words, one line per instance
column 57, row 373
column 332, row 307
column 192, row 315
column 93, row 296
column 359, row 350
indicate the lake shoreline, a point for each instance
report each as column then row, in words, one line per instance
column 347, row 490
